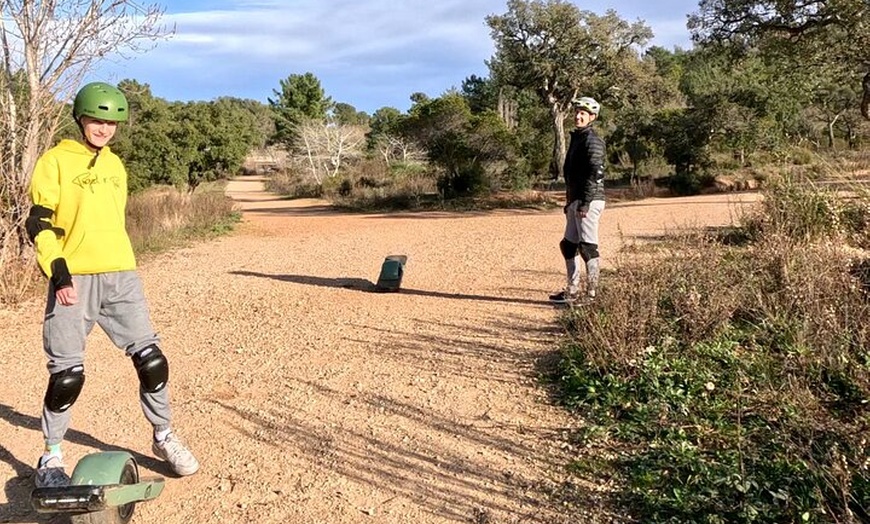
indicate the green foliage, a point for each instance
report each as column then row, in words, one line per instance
column 185, row 144
column 683, row 136
column 750, row 104
column 145, row 142
column 480, row 93
column 346, row 114
column 384, row 126
column 819, row 39
column 300, row 98
column 732, row 384
column 217, row 137
column 839, row 26
column 473, row 152
column 556, row 51
column 634, row 137
column 534, row 131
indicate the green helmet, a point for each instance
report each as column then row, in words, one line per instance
column 101, row 101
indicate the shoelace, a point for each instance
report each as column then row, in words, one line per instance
column 171, row 447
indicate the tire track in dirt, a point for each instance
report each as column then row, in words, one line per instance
column 308, row 398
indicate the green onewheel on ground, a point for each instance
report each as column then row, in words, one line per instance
column 392, row 270
column 104, row 489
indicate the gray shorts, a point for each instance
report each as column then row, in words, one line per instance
column 584, row 229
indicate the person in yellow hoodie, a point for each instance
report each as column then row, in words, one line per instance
column 77, row 223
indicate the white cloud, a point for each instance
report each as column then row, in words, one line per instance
column 367, row 53
column 322, row 33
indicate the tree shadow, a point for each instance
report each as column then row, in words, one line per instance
column 18, row 488
column 476, row 351
column 314, row 210
column 468, row 486
column 361, row 284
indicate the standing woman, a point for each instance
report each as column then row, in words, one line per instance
column 584, row 186
column 77, row 223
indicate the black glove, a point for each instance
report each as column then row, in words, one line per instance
column 60, row 276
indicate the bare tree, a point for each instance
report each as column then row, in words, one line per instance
column 398, row 148
column 327, row 146
column 46, row 49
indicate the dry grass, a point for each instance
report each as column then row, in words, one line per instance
column 18, row 278
column 162, row 217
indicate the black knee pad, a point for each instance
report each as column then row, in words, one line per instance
column 152, row 368
column 64, row 388
column 588, row 251
column 569, row 249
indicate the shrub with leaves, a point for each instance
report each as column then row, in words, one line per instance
column 732, row 384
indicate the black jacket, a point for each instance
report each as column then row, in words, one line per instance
column 584, row 167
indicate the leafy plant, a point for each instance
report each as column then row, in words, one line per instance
column 732, row 384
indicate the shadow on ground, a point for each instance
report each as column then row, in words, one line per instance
column 470, row 487
column 368, row 286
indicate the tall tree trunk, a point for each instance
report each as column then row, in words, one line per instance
column 507, row 109
column 865, row 102
column 831, row 130
column 557, row 162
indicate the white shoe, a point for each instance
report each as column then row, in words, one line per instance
column 173, row 451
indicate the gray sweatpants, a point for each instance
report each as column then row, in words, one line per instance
column 583, row 230
column 116, row 302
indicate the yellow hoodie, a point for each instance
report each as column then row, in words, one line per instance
column 88, row 194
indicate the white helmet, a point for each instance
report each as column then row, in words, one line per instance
column 588, row 103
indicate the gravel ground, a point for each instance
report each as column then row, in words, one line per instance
column 310, row 399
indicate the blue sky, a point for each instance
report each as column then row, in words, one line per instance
column 367, row 53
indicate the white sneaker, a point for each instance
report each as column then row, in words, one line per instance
column 173, row 451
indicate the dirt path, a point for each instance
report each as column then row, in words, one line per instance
column 309, row 399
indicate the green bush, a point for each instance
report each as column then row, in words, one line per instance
column 689, row 182
column 469, row 180
column 373, row 185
